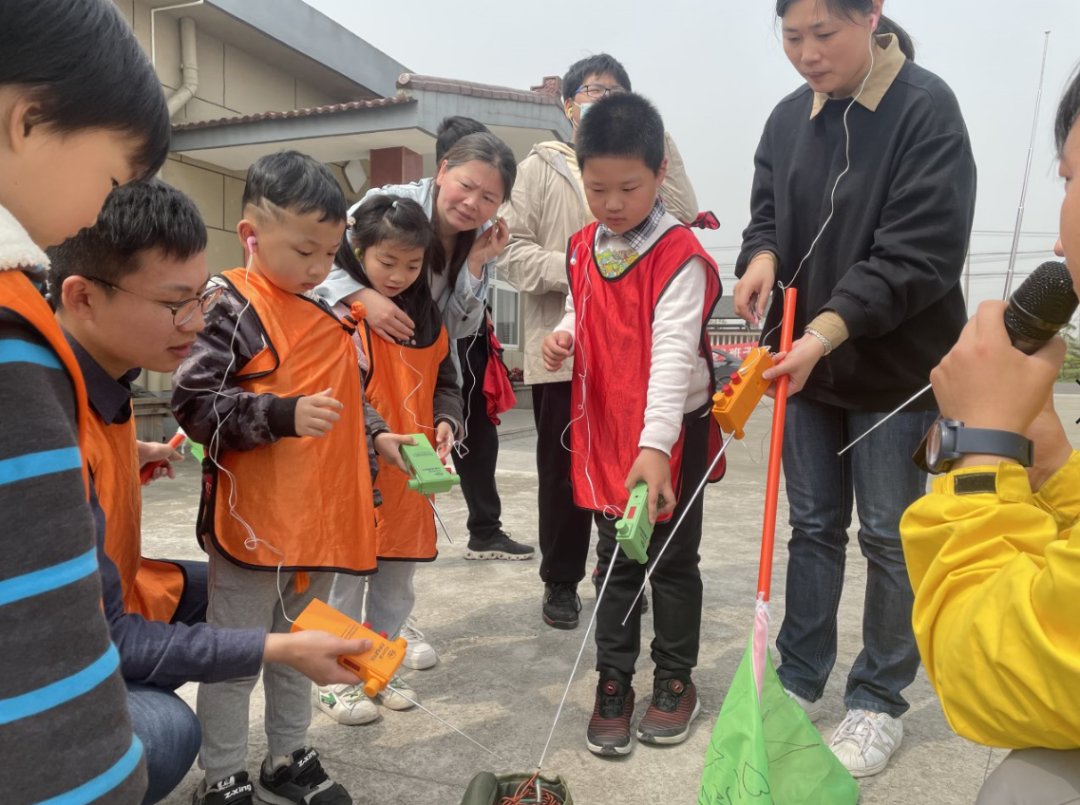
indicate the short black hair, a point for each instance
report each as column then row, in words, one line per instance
column 599, row 64
column 82, row 67
column 452, row 129
column 622, row 126
column 136, row 218
column 297, row 183
column 1067, row 114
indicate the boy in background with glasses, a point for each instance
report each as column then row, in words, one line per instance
column 131, row 293
column 546, row 207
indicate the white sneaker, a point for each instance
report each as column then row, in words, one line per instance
column 865, row 741
column 812, row 709
column 346, row 704
column 419, row 654
column 393, row 700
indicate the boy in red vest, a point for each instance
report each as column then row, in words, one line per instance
column 272, row 389
column 641, row 289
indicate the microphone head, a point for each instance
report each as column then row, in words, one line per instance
column 1041, row 306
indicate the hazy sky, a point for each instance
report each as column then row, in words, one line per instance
column 716, row 68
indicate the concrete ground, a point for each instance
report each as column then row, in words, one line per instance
column 501, row 671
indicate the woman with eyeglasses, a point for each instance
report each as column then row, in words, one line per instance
column 863, row 200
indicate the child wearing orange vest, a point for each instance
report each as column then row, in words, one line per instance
column 142, row 269
column 273, row 390
column 413, row 386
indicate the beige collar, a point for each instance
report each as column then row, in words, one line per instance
column 888, row 61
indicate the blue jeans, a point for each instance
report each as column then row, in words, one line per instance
column 879, row 476
column 170, row 735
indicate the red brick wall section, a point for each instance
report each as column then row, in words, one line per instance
column 395, row 166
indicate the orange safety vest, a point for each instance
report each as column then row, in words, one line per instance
column 19, row 295
column 150, row 587
column 401, row 386
column 300, row 503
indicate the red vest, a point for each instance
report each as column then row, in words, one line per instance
column 613, row 356
column 307, row 500
column 401, row 387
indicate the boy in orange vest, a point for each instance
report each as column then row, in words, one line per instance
column 142, row 269
column 272, row 389
column 641, row 290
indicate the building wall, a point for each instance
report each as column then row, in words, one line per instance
column 231, row 81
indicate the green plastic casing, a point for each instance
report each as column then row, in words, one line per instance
column 429, row 475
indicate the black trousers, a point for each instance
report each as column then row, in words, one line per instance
column 564, row 528
column 676, row 579
column 477, row 466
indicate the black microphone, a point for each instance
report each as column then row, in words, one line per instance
column 1040, row 307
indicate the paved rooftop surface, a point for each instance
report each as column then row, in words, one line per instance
column 502, row 672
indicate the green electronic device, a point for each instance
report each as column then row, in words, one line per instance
column 429, row 474
column 633, row 531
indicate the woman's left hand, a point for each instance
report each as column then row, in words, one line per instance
column 444, row 439
column 797, row 364
column 489, row 245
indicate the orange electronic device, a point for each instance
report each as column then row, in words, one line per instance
column 376, row 666
column 734, row 403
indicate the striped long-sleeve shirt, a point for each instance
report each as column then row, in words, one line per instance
column 65, row 734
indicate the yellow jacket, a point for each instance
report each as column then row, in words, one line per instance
column 997, row 604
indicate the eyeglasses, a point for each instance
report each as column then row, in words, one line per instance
column 599, row 90
column 182, row 311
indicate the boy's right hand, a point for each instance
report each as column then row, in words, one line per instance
column 388, row 446
column 314, row 654
column 386, row 318
column 316, row 414
column 557, row 348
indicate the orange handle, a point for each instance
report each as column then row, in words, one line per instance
column 776, row 444
column 147, row 472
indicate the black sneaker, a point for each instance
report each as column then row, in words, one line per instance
column 499, row 546
column 302, row 782
column 597, row 581
column 674, row 707
column 234, row 790
column 609, row 728
column 561, row 605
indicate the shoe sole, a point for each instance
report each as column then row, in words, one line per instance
column 669, row 740
column 868, row 772
column 351, row 723
column 610, row 751
column 509, row 557
column 265, row 796
column 561, row 624
column 330, row 714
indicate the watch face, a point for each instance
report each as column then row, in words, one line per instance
column 933, row 444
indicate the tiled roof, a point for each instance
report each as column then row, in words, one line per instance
column 429, row 83
column 405, row 82
column 315, row 111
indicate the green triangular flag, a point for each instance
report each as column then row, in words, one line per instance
column 196, row 450
column 769, row 753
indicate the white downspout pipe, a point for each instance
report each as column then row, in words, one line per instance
column 189, row 68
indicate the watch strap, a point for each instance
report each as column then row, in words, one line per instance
column 995, row 443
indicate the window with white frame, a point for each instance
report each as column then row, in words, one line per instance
column 504, row 312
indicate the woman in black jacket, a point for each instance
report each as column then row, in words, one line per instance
column 863, row 199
